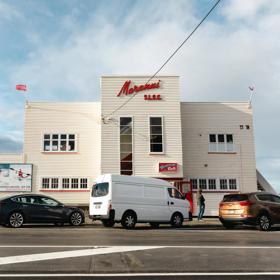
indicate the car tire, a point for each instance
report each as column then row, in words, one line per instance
column 108, row 223
column 264, row 222
column 176, row 220
column 154, row 225
column 76, row 219
column 16, row 220
column 129, row 220
column 228, row 225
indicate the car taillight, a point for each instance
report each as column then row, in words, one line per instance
column 245, row 203
column 221, row 204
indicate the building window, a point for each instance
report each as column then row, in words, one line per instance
column 83, row 183
column 203, row 184
column 221, row 143
column 232, row 184
column 126, row 158
column 156, row 135
column 212, row 184
column 64, row 183
column 223, row 184
column 194, row 184
column 59, row 143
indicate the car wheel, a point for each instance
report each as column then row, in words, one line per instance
column 129, row 220
column 76, row 219
column 16, row 220
column 154, row 225
column 108, row 223
column 264, row 222
column 228, row 225
column 176, row 220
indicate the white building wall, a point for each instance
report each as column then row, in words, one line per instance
column 201, row 119
column 82, row 119
column 145, row 164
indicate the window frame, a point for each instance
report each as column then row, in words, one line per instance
column 132, row 143
column 162, row 134
column 225, row 144
column 59, row 142
column 61, row 183
column 217, row 184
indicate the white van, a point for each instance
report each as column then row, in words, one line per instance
column 130, row 199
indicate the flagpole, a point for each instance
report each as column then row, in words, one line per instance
column 251, row 88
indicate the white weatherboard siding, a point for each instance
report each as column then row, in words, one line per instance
column 145, row 164
column 82, row 119
column 201, row 119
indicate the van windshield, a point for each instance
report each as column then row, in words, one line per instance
column 100, row 189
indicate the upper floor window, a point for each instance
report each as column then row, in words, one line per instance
column 60, row 143
column 156, row 135
column 221, row 143
column 126, row 158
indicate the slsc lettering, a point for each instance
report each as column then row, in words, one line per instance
column 152, row 97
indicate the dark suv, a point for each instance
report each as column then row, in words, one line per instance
column 259, row 208
column 30, row 208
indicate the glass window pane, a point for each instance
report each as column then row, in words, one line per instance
column 55, row 136
column 156, row 130
column 126, row 156
column 63, row 136
column 125, row 130
column 126, row 165
column 212, row 184
column 202, row 184
column 71, row 136
column 212, row 138
column 156, row 148
column 229, row 138
column 156, row 139
column 126, row 121
column 221, row 138
column 54, row 145
column 71, row 146
column 126, row 148
column 63, row 145
column 74, row 183
column 47, row 136
column 155, row 121
column 223, row 184
column 126, row 138
column 47, row 146
column 65, row 183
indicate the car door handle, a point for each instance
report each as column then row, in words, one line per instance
column 171, row 203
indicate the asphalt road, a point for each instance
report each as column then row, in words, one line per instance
column 197, row 252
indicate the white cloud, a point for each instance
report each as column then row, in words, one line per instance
column 9, row 12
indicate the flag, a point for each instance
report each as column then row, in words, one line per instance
column 21, row 87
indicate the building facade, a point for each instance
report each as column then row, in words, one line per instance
column 140, row 129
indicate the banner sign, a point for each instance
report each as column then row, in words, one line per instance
column 15, row 177
column 168, row 167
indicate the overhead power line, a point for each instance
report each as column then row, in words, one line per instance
column 169, row 58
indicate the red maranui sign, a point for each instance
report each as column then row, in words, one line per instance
column 128, row 89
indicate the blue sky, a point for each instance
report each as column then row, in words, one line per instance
column 60, row 48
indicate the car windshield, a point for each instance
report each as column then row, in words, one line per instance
column 236, row 197
column 100, row 189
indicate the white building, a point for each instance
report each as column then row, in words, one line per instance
column 154, row 135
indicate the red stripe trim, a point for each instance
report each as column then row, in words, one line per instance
column 65, row 190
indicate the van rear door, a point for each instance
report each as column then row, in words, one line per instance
column 100, row 199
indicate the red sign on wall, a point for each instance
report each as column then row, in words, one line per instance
column 128, row 89
column 168, row 167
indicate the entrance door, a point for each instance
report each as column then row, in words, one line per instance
column 185, row 188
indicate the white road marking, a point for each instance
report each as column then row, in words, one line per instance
column 71, row 254
column 145, row 274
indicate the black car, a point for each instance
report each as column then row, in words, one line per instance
column 30, row 208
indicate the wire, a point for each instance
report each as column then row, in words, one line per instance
column 169, row 58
